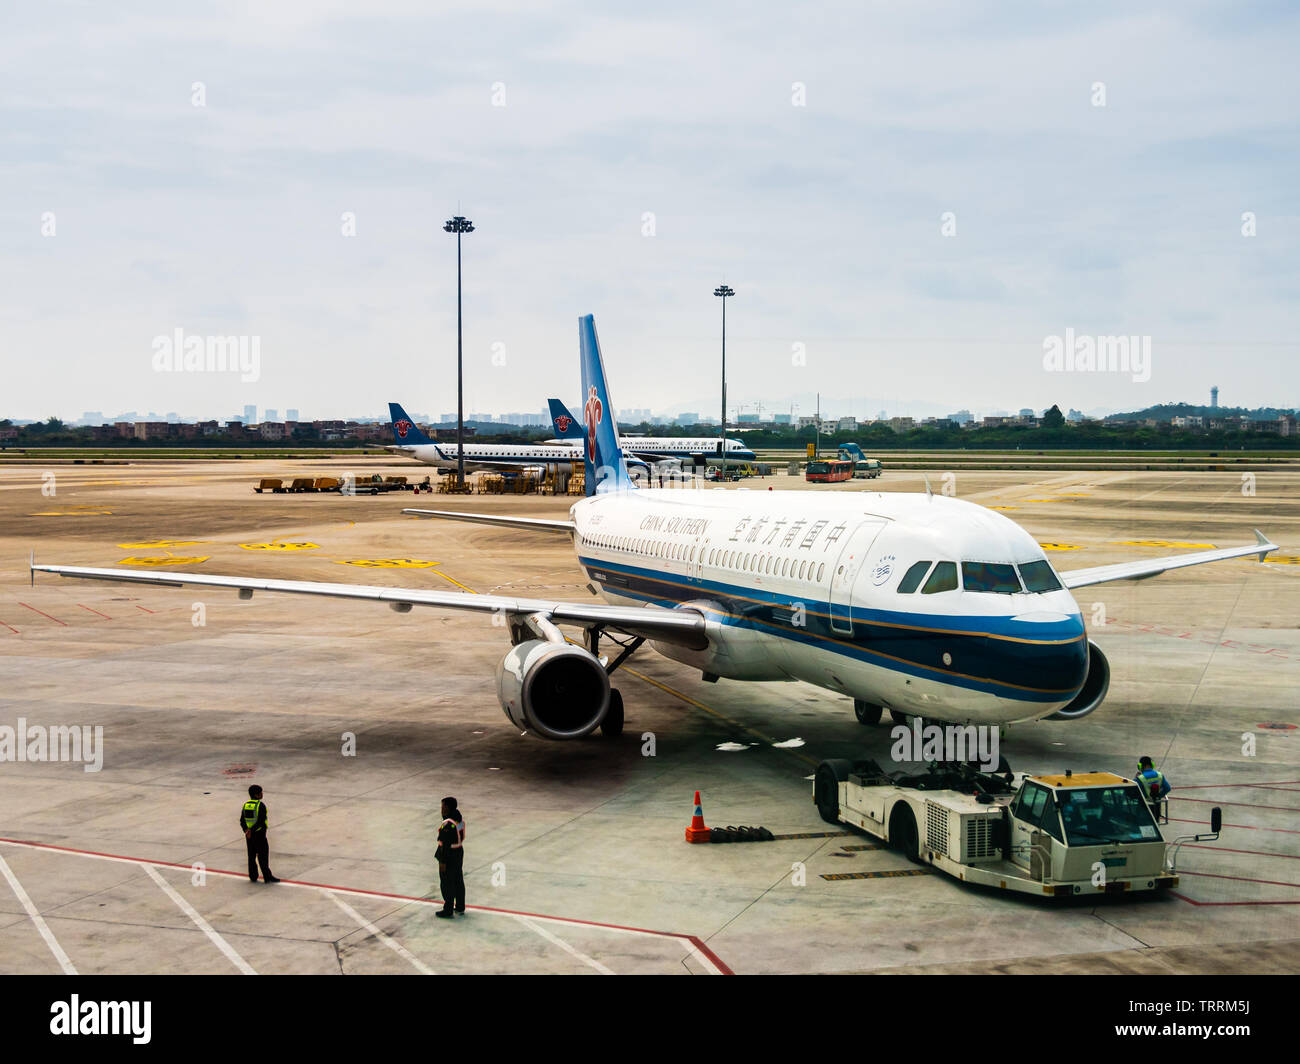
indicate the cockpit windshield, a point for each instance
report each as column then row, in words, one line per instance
column 1097, row 815
column 990, row 576
column 1038, row 577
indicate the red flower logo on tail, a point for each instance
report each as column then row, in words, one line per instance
column 563, row 422
column 594, row 411
column 402, row 427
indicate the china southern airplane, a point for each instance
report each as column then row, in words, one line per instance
column 408, row 439
column 694, row 450
column 922, row 604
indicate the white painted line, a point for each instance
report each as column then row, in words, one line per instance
column 612, row 929
column 41, row 926
column 564, row 945
column 395, row 946
column 199, row 922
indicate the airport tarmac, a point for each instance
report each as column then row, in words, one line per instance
column 575, row 853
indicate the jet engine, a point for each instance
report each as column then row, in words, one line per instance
column 556, row 689
column 1095, row 685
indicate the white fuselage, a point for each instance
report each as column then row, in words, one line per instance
column 481, row 456
column 807, row 587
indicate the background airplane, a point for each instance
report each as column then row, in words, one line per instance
column 410, row 440
column 696, row 451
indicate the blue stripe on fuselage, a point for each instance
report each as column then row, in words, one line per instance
column 1038, row 662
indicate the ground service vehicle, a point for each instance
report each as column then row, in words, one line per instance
column 828, row 471
column 1091, row 833
column 867, row 469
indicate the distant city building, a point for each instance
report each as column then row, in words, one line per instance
column 291, row 414
column 1214, row 397
column 1026, row 412
column 692, row 418
column 781, row 419
column 747, row 419
column 902, row 424
column 962, row 417
column 807, row 422
column 846, row 424
column 1074, row 416
column 250, row 415
column 271, row 414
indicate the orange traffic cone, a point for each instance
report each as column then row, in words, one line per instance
column 697, row 832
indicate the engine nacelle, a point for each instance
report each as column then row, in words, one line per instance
column 1095, row 686
column 558, row 690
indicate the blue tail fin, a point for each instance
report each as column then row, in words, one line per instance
column 405, row 430
column 567, row 427
column 604, row 460
column 852, row 451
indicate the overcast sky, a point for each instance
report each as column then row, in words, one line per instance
column 805, row 154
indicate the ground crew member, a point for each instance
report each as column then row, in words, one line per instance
column 1152, row 781
column 252, row 820
column 451, row 860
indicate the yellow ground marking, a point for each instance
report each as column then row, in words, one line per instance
column 280, row 546
column 76, row 511
column 1163, row 543
column 1040, row 500
column 388, row 563
column 161, row 543
column 1283, row 559
column 405, row 563
column 1059, row 546
column 1004, row 507
column 170, row 559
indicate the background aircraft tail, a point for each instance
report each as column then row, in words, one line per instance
column 852, row 451
column 567, row 427
column 604, row 460
column 405, row 430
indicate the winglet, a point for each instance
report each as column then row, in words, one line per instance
column 1265, row 544
column 928, row 493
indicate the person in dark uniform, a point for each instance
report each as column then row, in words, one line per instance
column 451, row 860
column 252, row 819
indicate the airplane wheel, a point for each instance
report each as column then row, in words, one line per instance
column 612, row 726
column 866, row 712
column 899, row 718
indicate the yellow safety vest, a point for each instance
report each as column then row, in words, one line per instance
column 250, row 813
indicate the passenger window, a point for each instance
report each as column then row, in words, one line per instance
column 913, row 577
column 944, row 578
column 820, row 569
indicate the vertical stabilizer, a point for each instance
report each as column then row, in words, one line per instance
column 604, row 460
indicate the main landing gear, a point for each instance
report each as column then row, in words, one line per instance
column 612, row 726
column 869, row 713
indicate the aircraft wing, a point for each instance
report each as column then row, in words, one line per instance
column 684, row 627
column 1142, row 570
column 535, row 524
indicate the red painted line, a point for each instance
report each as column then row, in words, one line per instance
column 10, row 627
column 1289, row 790
column 1245, row 827
column 1209, row 786
column 146, row 610
column 104, row 615
column 1248, row 805
column 1257, row 853
column 692, row 939
column 1193, row 901
column 44, row 614
column 1242, row 879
